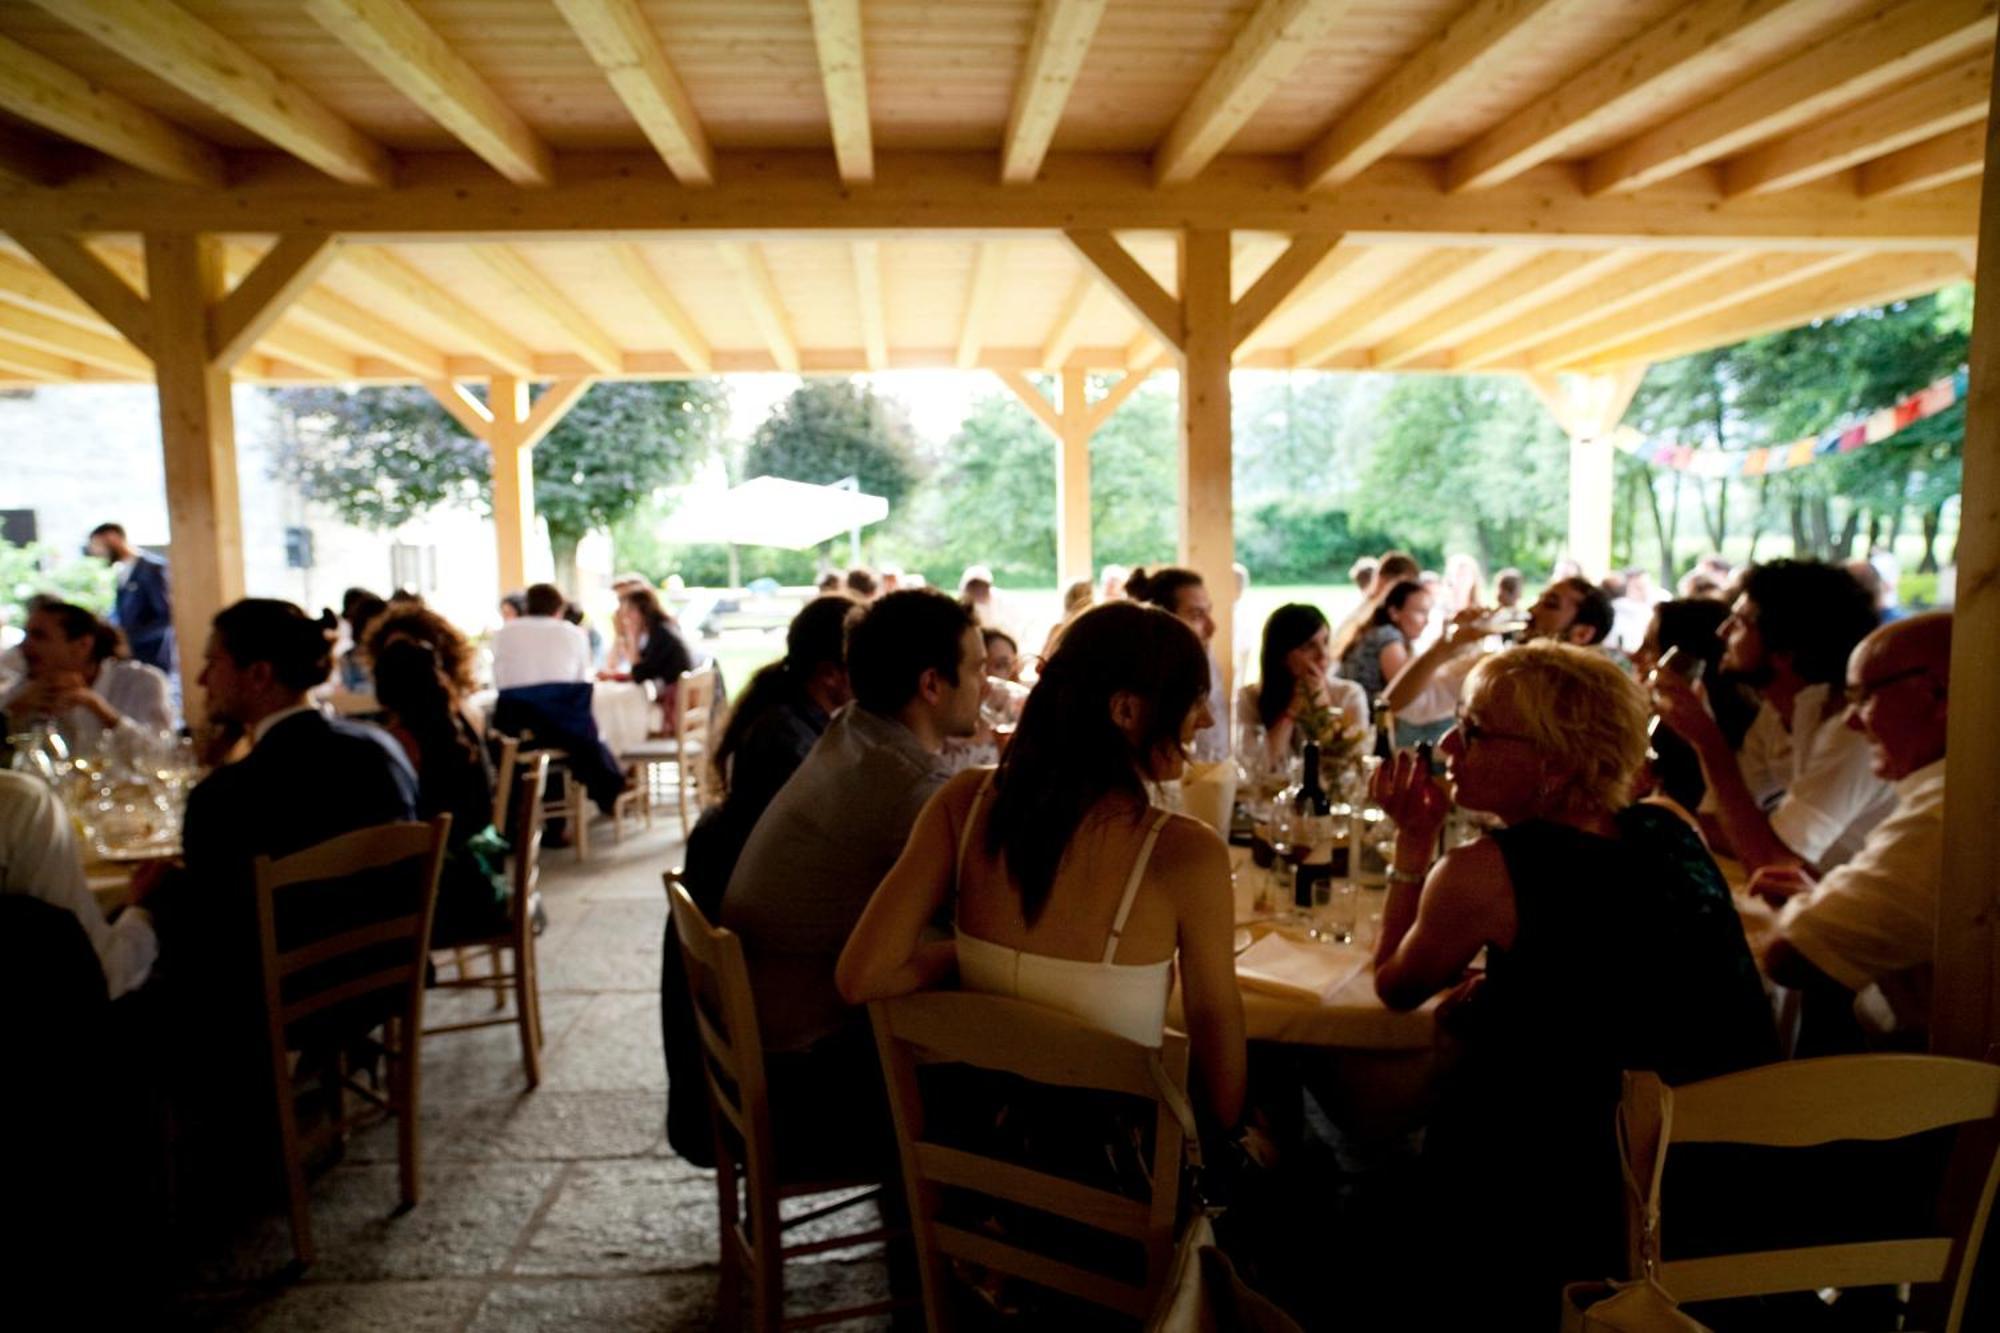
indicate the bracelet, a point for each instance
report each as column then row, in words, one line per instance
column 1406, row 876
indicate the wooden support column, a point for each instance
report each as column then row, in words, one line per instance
column 1073, row 555
column 1208, row 536
column 185, row 283
column 1588, row 408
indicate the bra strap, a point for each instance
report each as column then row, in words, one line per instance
column 1132, row 884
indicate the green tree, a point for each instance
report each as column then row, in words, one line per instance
column 1135, row 480
column 830, row 429
column 991, row 500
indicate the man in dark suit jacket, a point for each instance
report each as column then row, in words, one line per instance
column 143, row 610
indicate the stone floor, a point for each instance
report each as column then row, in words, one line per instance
column 558, row 1208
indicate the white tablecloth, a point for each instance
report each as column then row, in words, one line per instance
column 624, row 712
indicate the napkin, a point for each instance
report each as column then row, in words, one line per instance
column 1299, row 971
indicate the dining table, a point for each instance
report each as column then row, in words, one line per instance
column 624, row 711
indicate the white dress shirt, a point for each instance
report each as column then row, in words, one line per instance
column 138, row 693
column 1834, row 797
column 38, row 857
column 539, row 650
column 1873, row 921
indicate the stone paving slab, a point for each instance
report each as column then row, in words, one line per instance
column 334, row 1307
column 541, row 1126
column 613, row 1047
column 614, row 945
column 626, row 1217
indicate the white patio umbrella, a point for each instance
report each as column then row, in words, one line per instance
column 771, row 511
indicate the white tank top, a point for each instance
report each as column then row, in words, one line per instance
column 1128, row 1000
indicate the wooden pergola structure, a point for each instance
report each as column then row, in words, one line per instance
column 558, row 191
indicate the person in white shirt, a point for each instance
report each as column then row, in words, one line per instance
column 1789, row 636
column 79, row 679
column 540, row 648
column 1873, row 920
column 38, row 857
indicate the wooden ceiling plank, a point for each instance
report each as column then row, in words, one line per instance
column 31, row 328
column 266, row 293
column 767, row 308
column 843, row 74
column 1959, row 155
column 626, row 48
column 592, row 343
column 1639, row 282
column 1272, row 42
column 1063, row 29
column 1942, row 101
column 395, row 41
column 683, row 334
column 1337, row 262
column 1301, row 262
column 100, row 286
column 25, row 161
column 373, row 336
column 1067, row 330
column 40, row 91
column 1876, row 281
column 1156, row 310
column 32, row 363
column 1478, row 40
column 385, row 270
column 1886, row 47
column 978, row 300
column 1541, row 279
column 309, row 351
column 1756, row 276
column 32, row 287
column 173, row 45
column 1677, row 52
column 1420, row 288
column 867, row 256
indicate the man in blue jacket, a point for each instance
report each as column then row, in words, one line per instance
column 143, row 610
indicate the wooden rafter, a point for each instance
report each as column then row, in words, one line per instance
column 1435, row 280
column 1114, row 397
column 398, row 44
column 1033, row 399
column 239, row 320
column 1636, row 283
column 1541, row 279
column 550, row 407
column 626, row 48
column 1464, row 54
column 1068, row 327
column 42, row 92
column 1882, row 49
column 1956, row 156
column 683, row 334
column 100, row 286
column 26, row 161
column 760, row 293
column 1939, row 101
column 35, row 365
column 307, row 350
column 31, row 287
column 592, row 343
column 1301, row 262
column 1063, row 29
column 1157, row 310
column 367, row 333
column 30, row 328
column 467, row 410
column 385, row 270
column 979, row 293
column 867, row 256
column 1272, row 42
column 1341, row 261
column 843, row 73
column 173, row 45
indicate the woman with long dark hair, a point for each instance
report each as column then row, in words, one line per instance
column 1292, row 679
column 1693, row 626
column 1385, row 646
column 1069, row 889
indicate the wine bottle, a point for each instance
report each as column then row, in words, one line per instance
column 1313, row 849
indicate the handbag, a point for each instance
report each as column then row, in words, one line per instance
column 1642, row 1305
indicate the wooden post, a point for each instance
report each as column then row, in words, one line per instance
column 184, row 278
column 1965, row 1001
column 1208, row 538
column 1588, row 408
column 1073, row 557
column 513, row 480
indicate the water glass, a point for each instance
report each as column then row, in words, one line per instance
column 1335, row 911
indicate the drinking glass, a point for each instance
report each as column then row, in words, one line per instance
column 1335, row 911
column 1287, row 837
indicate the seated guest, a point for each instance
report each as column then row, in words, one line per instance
column 1078, row 597
column 39, row 858
column 80, row 678
column 1611, row 944
column 1391, row 569
column 1789, row 636
column 1873, row 920
column 574, row 615
column 830, row 583
column 360, row 609
column 513, row 606
column 1182, row 594
column 861, row 584
column 826, row 841
column 1384, row 647
column 652, row 644
column 1690, row 625
column 1293, row 682
column 454, row 777
column 1003, row 655
column 1066, row 887
column 542, row 665
column 540, row 647
column 1507, row 589
column 1362, row 574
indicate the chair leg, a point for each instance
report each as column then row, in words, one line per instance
column 579, row 819
column 493, row 966
column 295, row 1169
column 729, row 1294
column 681, row 791
column 528, row 1015
column 404, row 1089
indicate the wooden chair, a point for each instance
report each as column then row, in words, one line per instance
column 1043, row 1046
column 572, row 806
column 685, row 750
column 524, row 833
column 1808, row 1103
column 342, row 929
column 747, row 1181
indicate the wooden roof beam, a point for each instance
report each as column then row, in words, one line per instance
column 1476, row 41
column 1541, row 279
column 1930, row 106
column 868, row 300
column 1272, row 43
column 99, row 285
column 30, row 328
column 463, row 405
column 368, row 334
column 767, row 308
column 683, row 334
column 26, row 161
column 1877, row 280
column 398, row 44
column 1033, row 399
column 390, row 273
column 266, row 293
column 626, row 48
column 591, row 342
column 35, row 365
column 173, row 45
column 1303, row 261
column 1067, row 331
column 978, row 300
column 1436, row 280
column 843, row 73
column 1959, row 155
column 1063, row 29
column 1158, row 312
column 40, row 91
column 1883, row 49
column 307, row 350
column 1633, row 284
column 31, row 287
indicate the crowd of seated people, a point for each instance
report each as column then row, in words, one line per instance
column 80, row 679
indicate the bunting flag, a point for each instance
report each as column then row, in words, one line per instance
column 1871, row 429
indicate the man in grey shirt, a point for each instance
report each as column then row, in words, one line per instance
column 915, row 661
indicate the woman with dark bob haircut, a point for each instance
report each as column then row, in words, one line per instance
column 1292, row 674
column 1070, row 889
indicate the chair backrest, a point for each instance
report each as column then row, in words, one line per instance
column 1052, row 1049
column 503, row 781
column 524, row 830
column 694, row 702
column 725, row 1015
column 346, row 924
column 1811, row 1103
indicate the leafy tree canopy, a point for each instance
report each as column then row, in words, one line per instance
column 830, row 429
